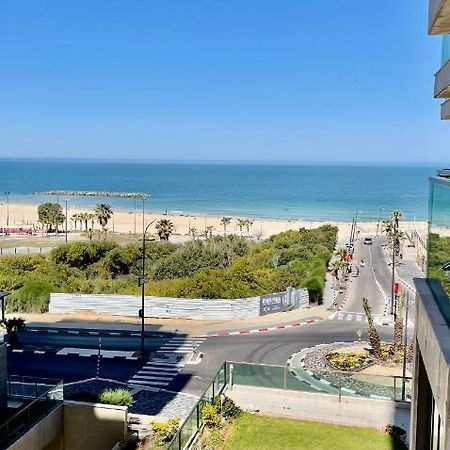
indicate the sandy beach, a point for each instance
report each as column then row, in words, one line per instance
column 129, row 222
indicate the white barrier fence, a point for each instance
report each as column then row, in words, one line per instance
column 161, row 307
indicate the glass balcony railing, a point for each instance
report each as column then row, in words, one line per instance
column 439, row 241
column 445, row 49
column 39, row 397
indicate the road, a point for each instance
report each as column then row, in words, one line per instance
column 171, row 371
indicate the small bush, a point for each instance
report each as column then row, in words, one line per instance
column 211, row 416
column 165, row 431
column 348, row 361
column 120, row 397
column 226, row 407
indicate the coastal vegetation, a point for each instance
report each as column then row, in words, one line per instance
column 215, row 267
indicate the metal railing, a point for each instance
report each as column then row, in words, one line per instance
column 39, row 397
column 341, row 384
column 194, row 421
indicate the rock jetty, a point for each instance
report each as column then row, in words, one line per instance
column 97, row 194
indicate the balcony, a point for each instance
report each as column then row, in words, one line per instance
column 445, row 110
column 439, row 17
column 442, row 82
column 29, row 402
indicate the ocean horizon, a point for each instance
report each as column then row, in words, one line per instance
column 262, row 189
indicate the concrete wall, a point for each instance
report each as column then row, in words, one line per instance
column 44, row 435
column 163, row 307
column 432, row 366
column 321, row 407
column 3, row 374
column 93, row 427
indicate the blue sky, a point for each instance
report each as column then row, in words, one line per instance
column 208, row 79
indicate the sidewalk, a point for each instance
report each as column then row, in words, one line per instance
column 189, row 327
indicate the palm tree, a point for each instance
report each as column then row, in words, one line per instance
column 241, row 224
column 374, row 337
column 209, row 231
column 75, row 218
column 192, row 232
column 396, row 216
column 337, row 266
column 164, row 229
column 225, row 221
column 84, row 217
column 248, row 224
column 398, row 324
column 103, row 213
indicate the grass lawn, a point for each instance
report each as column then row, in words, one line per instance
column 259, row 433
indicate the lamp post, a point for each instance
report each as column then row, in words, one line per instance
column 7, row 194
column 66, row 201
column 379, row 219
column 141, row 283
column 393, row 280
column 405, row 346
column 3, row 295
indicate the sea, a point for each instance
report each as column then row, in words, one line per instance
column 238, row 189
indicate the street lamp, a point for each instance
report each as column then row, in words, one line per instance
column 379, row 219
column 66, row 201
column 7, row 193
column 3, row 295
column 141, row 283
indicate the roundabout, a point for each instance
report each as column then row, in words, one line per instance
column 367, row 378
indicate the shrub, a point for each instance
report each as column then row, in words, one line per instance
column 32, row 297
column 348, row 361
column 165, row 431
column 211, row 417
column 120, row 397
column 226, row 407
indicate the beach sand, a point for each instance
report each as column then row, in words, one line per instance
column 128, row 222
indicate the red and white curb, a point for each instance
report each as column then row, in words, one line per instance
column 265, row 329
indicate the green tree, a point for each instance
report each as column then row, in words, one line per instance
column 103, row 212
column 241, row 223
column 398, row 323
column 374, row 337
column 248, row 224
column 51, row 215
column 224, row 222
column 164, row 228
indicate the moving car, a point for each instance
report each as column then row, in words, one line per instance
column 368, row 241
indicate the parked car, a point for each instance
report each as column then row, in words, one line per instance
column 368, row 241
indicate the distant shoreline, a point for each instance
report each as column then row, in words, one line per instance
column 128, row 222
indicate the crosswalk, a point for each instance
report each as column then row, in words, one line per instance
column 167, row 362
column 378, row 319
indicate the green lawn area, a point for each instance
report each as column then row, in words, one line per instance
column 259, row 433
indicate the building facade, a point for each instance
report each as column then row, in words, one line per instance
column 439, row 23
column 3, row 375
column 431, row 398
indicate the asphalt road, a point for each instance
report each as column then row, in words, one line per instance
column 268, row 348
column 373, row 281
column 272, row 348
column 69, row 368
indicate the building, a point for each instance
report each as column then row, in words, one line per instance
column 3, row 376
column 439, row 23
column 430, row 422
